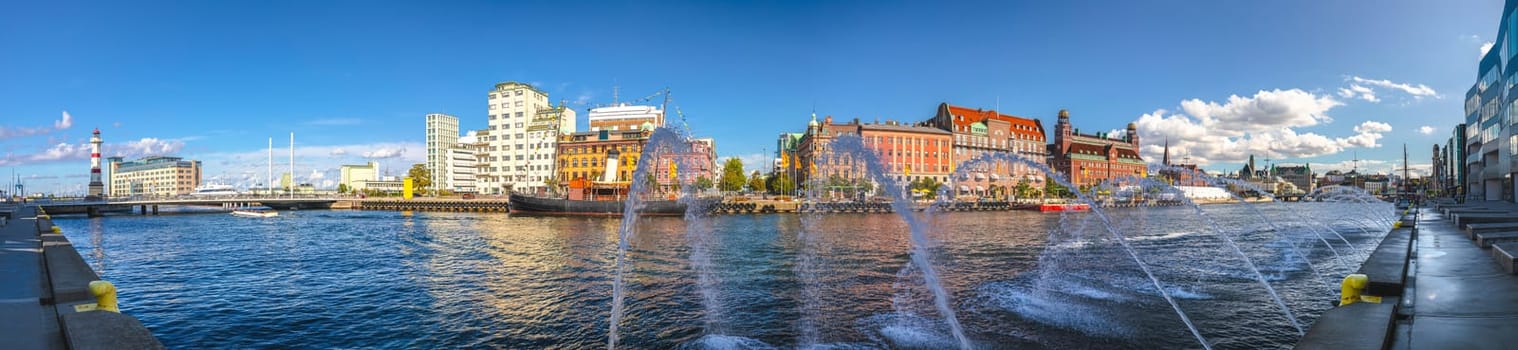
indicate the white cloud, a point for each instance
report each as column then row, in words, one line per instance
column 383, row 153
column 65, row 123
column 1360, row 92
column 1266, row 110
column 1426, row 130
column 1418, row 91
column 314, row 164
column 751, row 162
column 1264, row 125
column 1366, row 135
column 143, row 147
column 81, row 151
column 1485, row 47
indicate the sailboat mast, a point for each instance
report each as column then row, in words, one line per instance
column 269, row 184
column 292, row 165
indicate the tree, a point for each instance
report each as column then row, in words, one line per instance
column 703, row 182
column 421, row 179
column 756, row 182
column 927, row 186
column 782, row 184
column 1024, row 189
column 1053, row 188
column 342, row 188
column 732, row 175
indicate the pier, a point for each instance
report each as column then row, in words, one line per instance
column 50, row 298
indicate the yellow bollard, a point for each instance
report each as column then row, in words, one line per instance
column 1351, row 290
column 57, row 230
column 105, row 295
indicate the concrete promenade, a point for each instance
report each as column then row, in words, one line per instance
column 1442, row 285
column 46, row 301
column 1461, row 298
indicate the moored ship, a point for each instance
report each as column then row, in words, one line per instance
column 531, row 205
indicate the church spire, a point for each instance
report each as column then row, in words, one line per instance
column 1166, row 159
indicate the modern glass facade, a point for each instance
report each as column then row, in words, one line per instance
column 1490, row 146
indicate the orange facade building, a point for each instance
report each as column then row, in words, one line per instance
column 978, row 132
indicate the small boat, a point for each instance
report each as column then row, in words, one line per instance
column 255, row 213
column 1059, row 207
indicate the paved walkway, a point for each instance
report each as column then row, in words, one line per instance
column 1461, row 298
column 28, row 324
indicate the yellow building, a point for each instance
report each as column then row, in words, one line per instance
column 584, row 155
column 153, row 176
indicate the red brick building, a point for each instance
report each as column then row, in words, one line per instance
column 1089, row 159
column 978, row 132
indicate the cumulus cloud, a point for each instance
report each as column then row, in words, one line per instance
column 1417, row 91
column 751, row 161
column 143, row 147
column 1360, row 92
column 1485, row 47
column 63, row 151
column 1426, row 130
column 314, row 164
column 1266, row 110
column 1264, row 124
column 1366, row 135
column 63, row 123
column 383, row 153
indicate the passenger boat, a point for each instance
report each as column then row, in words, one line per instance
column 532, row 205
column 1059, row 207
column 593, row 198
column 255, row 213
column 213, row 190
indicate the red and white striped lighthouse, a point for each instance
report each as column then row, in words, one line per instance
column 97, row 188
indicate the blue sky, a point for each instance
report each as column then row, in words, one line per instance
column 1303, row 81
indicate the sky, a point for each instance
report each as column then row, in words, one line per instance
column 1318, row 82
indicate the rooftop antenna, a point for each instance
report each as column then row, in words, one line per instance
column 614, row 91
column 1356, row 161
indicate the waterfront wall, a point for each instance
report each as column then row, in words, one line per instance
column 52, row 299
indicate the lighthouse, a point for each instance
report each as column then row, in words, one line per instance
column 97, row 188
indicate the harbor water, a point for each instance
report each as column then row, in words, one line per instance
column 381, row 279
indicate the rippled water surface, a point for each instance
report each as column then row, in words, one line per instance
column 369, row 279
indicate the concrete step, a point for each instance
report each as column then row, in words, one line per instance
column 1504, row 254
column 1465, row 219
column 1472, row 229
column 1485, row 240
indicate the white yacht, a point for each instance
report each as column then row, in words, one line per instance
column 214, row 190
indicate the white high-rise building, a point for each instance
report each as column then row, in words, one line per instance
column 523, row 132
column 461, row 163
column 442, row 135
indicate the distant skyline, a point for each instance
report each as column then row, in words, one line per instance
column 1292, row 81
